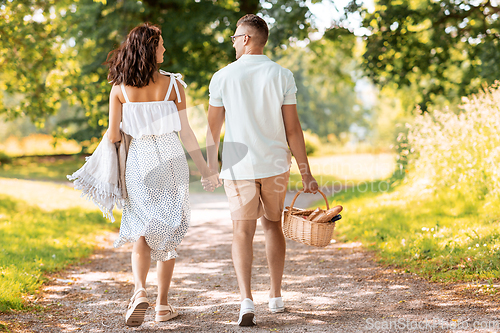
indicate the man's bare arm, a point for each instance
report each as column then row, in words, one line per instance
column 216, row 115
column 295, row 139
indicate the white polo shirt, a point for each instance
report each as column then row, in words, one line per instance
column 252, row 90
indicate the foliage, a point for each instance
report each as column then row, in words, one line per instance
column 32, row 61
column 442, row 222
column 458, row 151
column 312, row 142
column 439, row 49
column 59, row 48
column 389, row 115
column 35, row 242
column 4, row 158
column 325, row 76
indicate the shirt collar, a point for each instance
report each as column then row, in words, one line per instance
column 254, row 57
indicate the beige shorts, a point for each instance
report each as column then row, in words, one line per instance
column 250, row 199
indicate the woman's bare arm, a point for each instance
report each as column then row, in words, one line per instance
column 115, row 115
column 191, row 143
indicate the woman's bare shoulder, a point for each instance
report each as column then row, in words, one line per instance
column 116, row 93
column 115, row 90
column 162, row 77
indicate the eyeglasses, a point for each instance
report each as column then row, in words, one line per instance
column 233, row 38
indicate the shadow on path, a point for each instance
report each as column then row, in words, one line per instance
column 334, row 289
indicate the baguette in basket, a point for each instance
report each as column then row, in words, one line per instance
column 310, row 227
column 325, row 216
column 317, row 212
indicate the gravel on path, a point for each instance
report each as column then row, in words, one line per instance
column 338, row 288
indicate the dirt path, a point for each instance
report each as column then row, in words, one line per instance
column 334, row 289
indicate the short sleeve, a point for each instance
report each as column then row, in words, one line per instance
column 290, row 89
column 214, row 91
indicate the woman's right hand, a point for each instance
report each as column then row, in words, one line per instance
column 210, row 183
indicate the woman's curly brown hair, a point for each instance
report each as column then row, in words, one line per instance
column 134, row 63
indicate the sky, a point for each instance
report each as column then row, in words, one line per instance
column 328, row 11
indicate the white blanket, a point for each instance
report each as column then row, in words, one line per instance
column 98, row 178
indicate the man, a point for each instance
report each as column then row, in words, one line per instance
column 256, row 99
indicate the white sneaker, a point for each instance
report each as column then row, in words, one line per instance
column 276, row 305
column 247, row 313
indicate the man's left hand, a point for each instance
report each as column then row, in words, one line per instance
column 309, row 183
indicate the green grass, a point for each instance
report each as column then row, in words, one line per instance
column 42, row 168
column 445, row 237
column 35, row 242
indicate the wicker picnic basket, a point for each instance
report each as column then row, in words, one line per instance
column 297, row 228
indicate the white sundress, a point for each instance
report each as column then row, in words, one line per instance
column 157, row 176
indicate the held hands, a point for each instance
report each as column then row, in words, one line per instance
column 210, row 183
column 309, row 183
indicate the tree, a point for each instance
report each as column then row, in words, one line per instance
column 438, row 49
column 51, row 52
column 30, row 58
column 326, row 73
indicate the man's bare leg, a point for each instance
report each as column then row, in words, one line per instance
column 242, row 251
column 275, row 252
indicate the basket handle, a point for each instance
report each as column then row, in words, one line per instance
column 301, row 190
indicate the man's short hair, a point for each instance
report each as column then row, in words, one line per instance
column 258, row 25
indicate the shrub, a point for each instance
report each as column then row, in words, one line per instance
column 460, row 151
column 443, row 222
column 4, row 158
column 312, row 141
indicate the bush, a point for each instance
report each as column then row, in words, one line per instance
column 312, row 141
column 442, row 223
column 4, row 159
column 458, row 151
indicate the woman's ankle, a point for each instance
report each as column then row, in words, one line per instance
column 141, row 293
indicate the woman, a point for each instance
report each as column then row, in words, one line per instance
column 151, row 108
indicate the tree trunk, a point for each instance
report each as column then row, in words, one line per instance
column 249, row 6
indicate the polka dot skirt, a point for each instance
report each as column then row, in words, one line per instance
column 157, row 207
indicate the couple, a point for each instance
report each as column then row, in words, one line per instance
column 256, row 99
